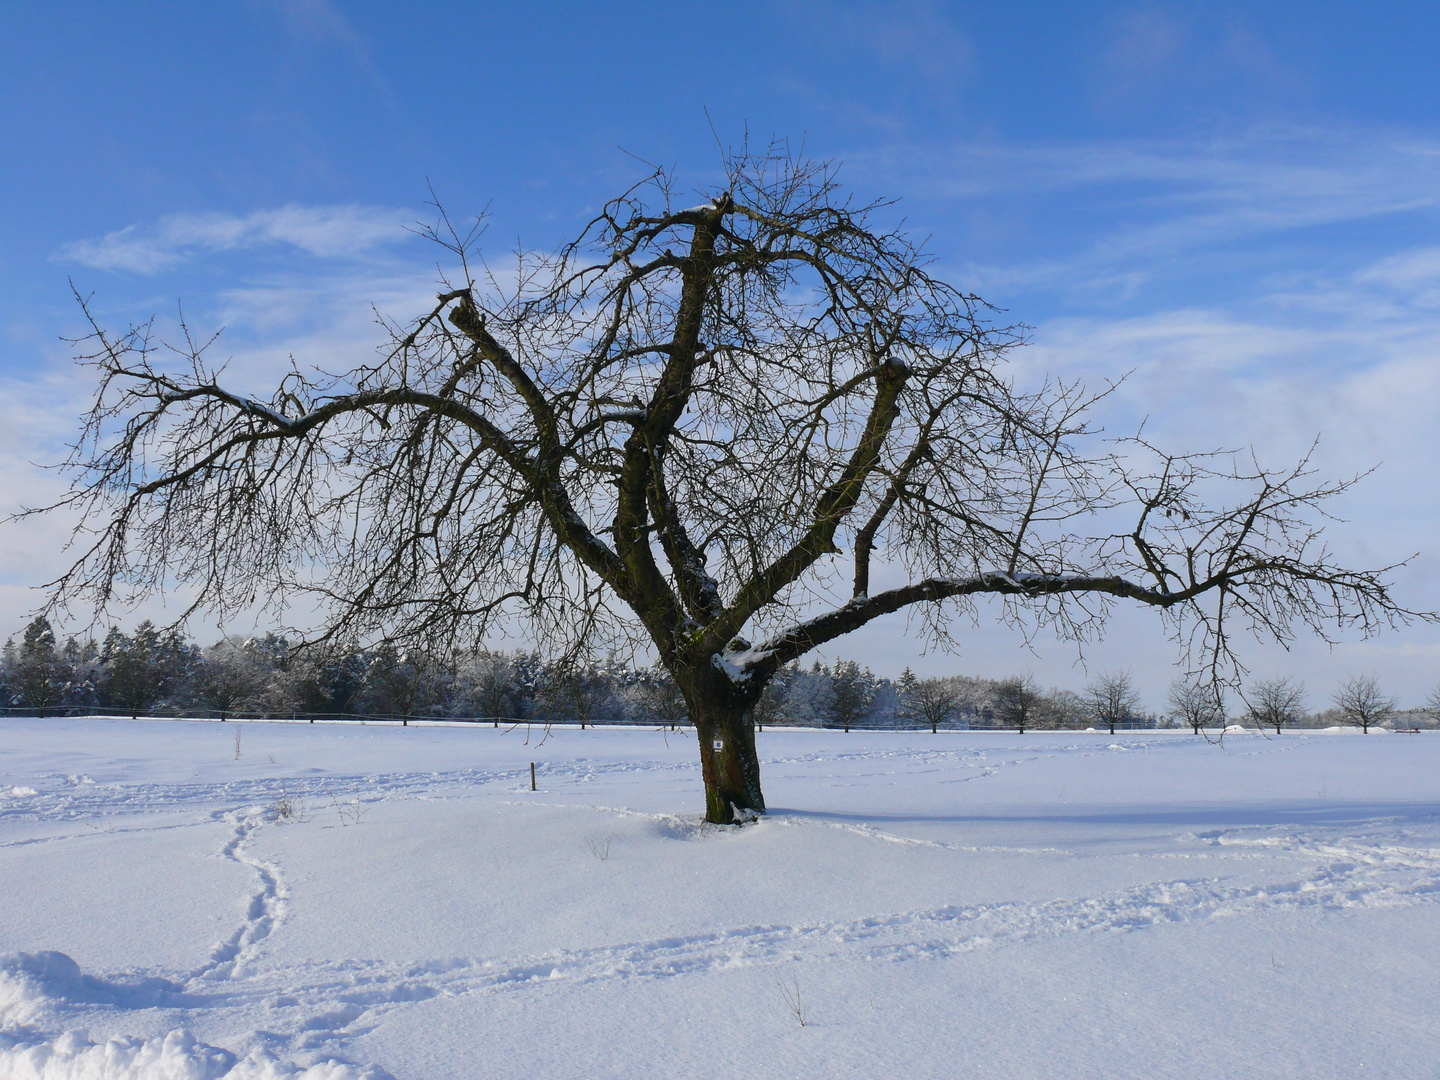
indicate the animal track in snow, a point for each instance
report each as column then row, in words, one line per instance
column 264, row 912
column 356, row 992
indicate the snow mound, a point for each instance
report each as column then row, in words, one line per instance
column 1347, row 729
column 178, row 1056
column 30, row 983
column 1240, row 729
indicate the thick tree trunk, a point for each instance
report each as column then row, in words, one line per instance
column 725, row 728
column 729, row 763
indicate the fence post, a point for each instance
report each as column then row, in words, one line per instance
column 532, row 776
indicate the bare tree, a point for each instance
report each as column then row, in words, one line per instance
column 229, row 678
column 488, row 680
column 1016, row 701
column 1361, row 701
column 769, row 707
column 1113, row 698
column 1060, row 709
column 1276, row 702
column 571, row 691
column 1197, row 703
column 667, row 433
column 931, row 701
column 661, row 698
column 1432, row 705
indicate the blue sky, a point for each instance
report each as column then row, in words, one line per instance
column 1237, row 202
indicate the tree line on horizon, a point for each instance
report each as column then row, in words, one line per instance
column 156, row 671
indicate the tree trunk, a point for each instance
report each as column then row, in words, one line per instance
column 729, row 762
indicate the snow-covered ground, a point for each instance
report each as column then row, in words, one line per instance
column 966, row 904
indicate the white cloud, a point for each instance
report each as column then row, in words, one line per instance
column 323, row 231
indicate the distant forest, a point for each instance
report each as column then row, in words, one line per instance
column 155, row 672
column 162, row 673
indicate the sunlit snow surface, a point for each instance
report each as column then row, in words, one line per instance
column 953, row 905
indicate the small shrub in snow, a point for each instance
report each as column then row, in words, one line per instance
column 600, row 848
column 287, row 808
column 790, row 991
column 350, row 813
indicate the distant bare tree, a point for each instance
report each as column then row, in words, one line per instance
column 1113, row 698
column 229, row 678
column 490, row 683
column 662, row 699
column 1275, row 702
column 930, row 701
column 1016, row 702
column 1197, row 703
column 1360, row 701
column 571, row 692
column 667, row 433
column 1432, row 705
column 1060, row 709
column 769, row 707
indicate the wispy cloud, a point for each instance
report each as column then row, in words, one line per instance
column 917, row 39
column 323, row 231
column 1299, row 173
column 1148, row 57
column 322, row 22
column 1125, row 209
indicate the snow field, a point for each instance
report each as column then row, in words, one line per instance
column 344, row 902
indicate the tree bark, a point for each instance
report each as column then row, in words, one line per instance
column 729, row 762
